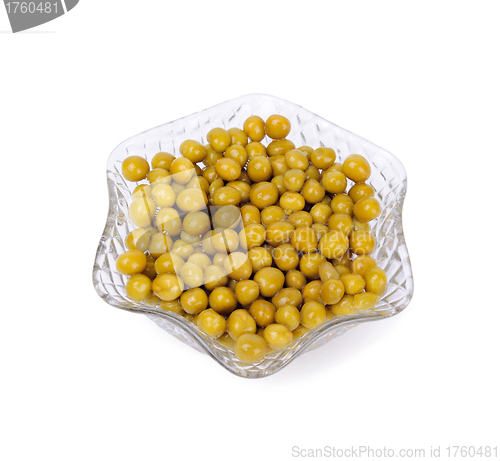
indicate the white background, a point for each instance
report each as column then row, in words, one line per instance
column 82, row 380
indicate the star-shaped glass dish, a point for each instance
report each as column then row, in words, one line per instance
column 388, row 178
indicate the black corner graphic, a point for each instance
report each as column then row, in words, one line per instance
column 25, row 15
column 70, row 4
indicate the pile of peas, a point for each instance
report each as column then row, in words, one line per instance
column 257, row 246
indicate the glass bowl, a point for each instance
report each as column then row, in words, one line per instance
column 388, row 179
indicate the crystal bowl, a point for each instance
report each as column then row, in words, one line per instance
column 388, row 179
